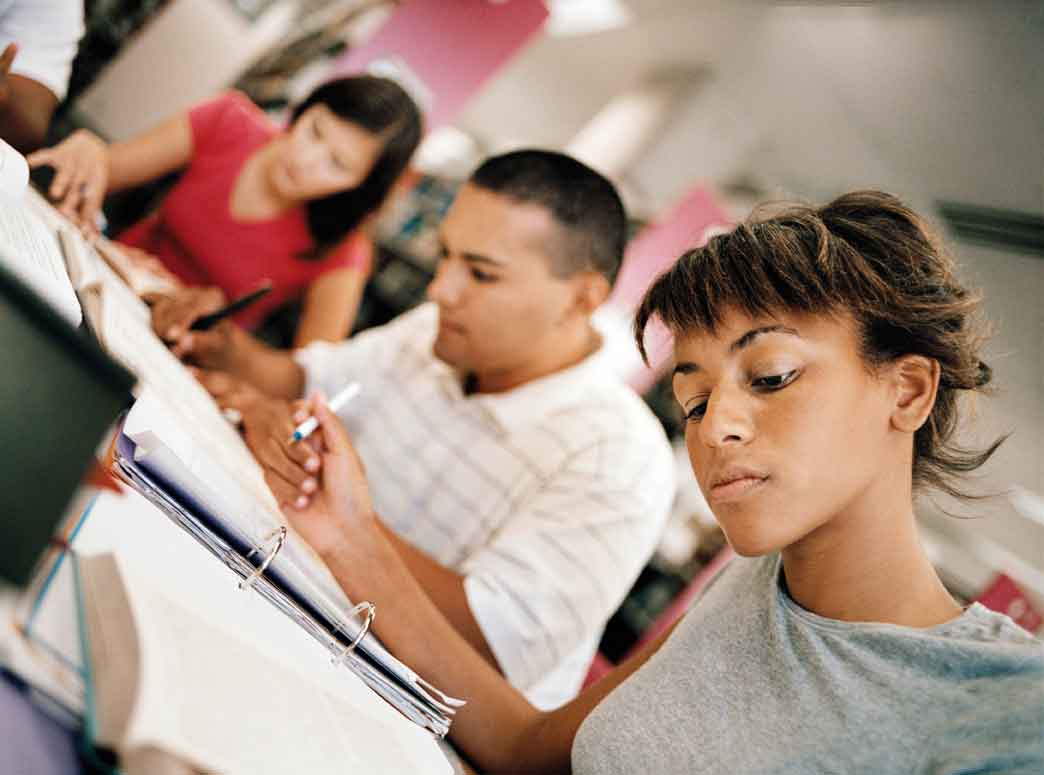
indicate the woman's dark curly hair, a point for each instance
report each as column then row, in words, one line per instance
column 867, row 254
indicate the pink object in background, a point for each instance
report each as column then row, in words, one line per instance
column 1004, row 596
column 692, row 221
column 449, row 46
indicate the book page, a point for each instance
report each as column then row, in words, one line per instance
column 223, row 706
column 138, row 278
column 79, row 261
column 31, row 250
column 45, row 211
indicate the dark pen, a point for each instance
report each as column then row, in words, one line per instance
column 209, row 321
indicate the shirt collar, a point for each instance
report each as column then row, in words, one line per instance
column 515, row 409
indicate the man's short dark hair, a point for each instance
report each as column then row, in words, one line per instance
column 582, row 202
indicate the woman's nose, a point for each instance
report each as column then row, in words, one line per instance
column 726, row 420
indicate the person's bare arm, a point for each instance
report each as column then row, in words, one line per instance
column 445, row 587
column 86, row 168
column 330, row 306
column 26, row 106
column 498, row 729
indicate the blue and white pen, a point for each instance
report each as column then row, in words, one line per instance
column 338, row 402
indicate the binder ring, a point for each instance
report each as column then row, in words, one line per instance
column 371, row 611
column 279, row 535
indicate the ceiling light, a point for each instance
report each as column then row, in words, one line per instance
column 585, row 17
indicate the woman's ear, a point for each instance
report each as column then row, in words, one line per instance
column 915, row 380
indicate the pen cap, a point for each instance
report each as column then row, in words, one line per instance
column 14, row 172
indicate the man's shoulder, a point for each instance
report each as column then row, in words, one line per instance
column 402, row 345
column 611, row 419
column 613, row 407
column 423, row 317
column 408, row 335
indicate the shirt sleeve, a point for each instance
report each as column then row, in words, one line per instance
column 551, row 578
column 219, row 120
column 47, row 33
column 355, row 251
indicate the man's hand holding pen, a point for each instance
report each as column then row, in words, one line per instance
column 319, row 481
column 267, row 424
column 339, row 513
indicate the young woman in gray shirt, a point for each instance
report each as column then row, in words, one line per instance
column 819, row 357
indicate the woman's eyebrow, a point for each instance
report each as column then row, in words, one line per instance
column 748, row 338
column 690, row 367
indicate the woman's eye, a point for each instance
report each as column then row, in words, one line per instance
column 481, row 276
column 695, row 414
column 775, row 381
column 334, row 160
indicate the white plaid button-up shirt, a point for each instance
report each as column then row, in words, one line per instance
column 548, row 498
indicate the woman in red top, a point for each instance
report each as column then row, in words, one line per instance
column 255, row 201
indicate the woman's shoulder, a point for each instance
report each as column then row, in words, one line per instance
column 354, row 251
column 228, row 118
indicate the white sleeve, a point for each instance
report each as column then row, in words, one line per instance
column 329, row 366
column 47, row 33
column 552, row 577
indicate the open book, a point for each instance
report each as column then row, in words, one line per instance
column 138, row 277
column 29, row 247
column 177, row 694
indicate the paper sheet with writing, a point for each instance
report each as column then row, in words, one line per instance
column 176, row 423
column 140, row 279
column 29, row 247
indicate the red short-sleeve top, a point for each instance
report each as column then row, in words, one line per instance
column 194, row 234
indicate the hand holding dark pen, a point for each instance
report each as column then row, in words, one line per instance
column 174, row 314
column 194, row 323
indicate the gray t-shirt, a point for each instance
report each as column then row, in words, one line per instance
column 750, row 682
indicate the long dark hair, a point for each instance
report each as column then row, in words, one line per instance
column 865, row 253
column 384, row 108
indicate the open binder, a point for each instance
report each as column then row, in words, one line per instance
column 272, row 568
column 176, row 448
